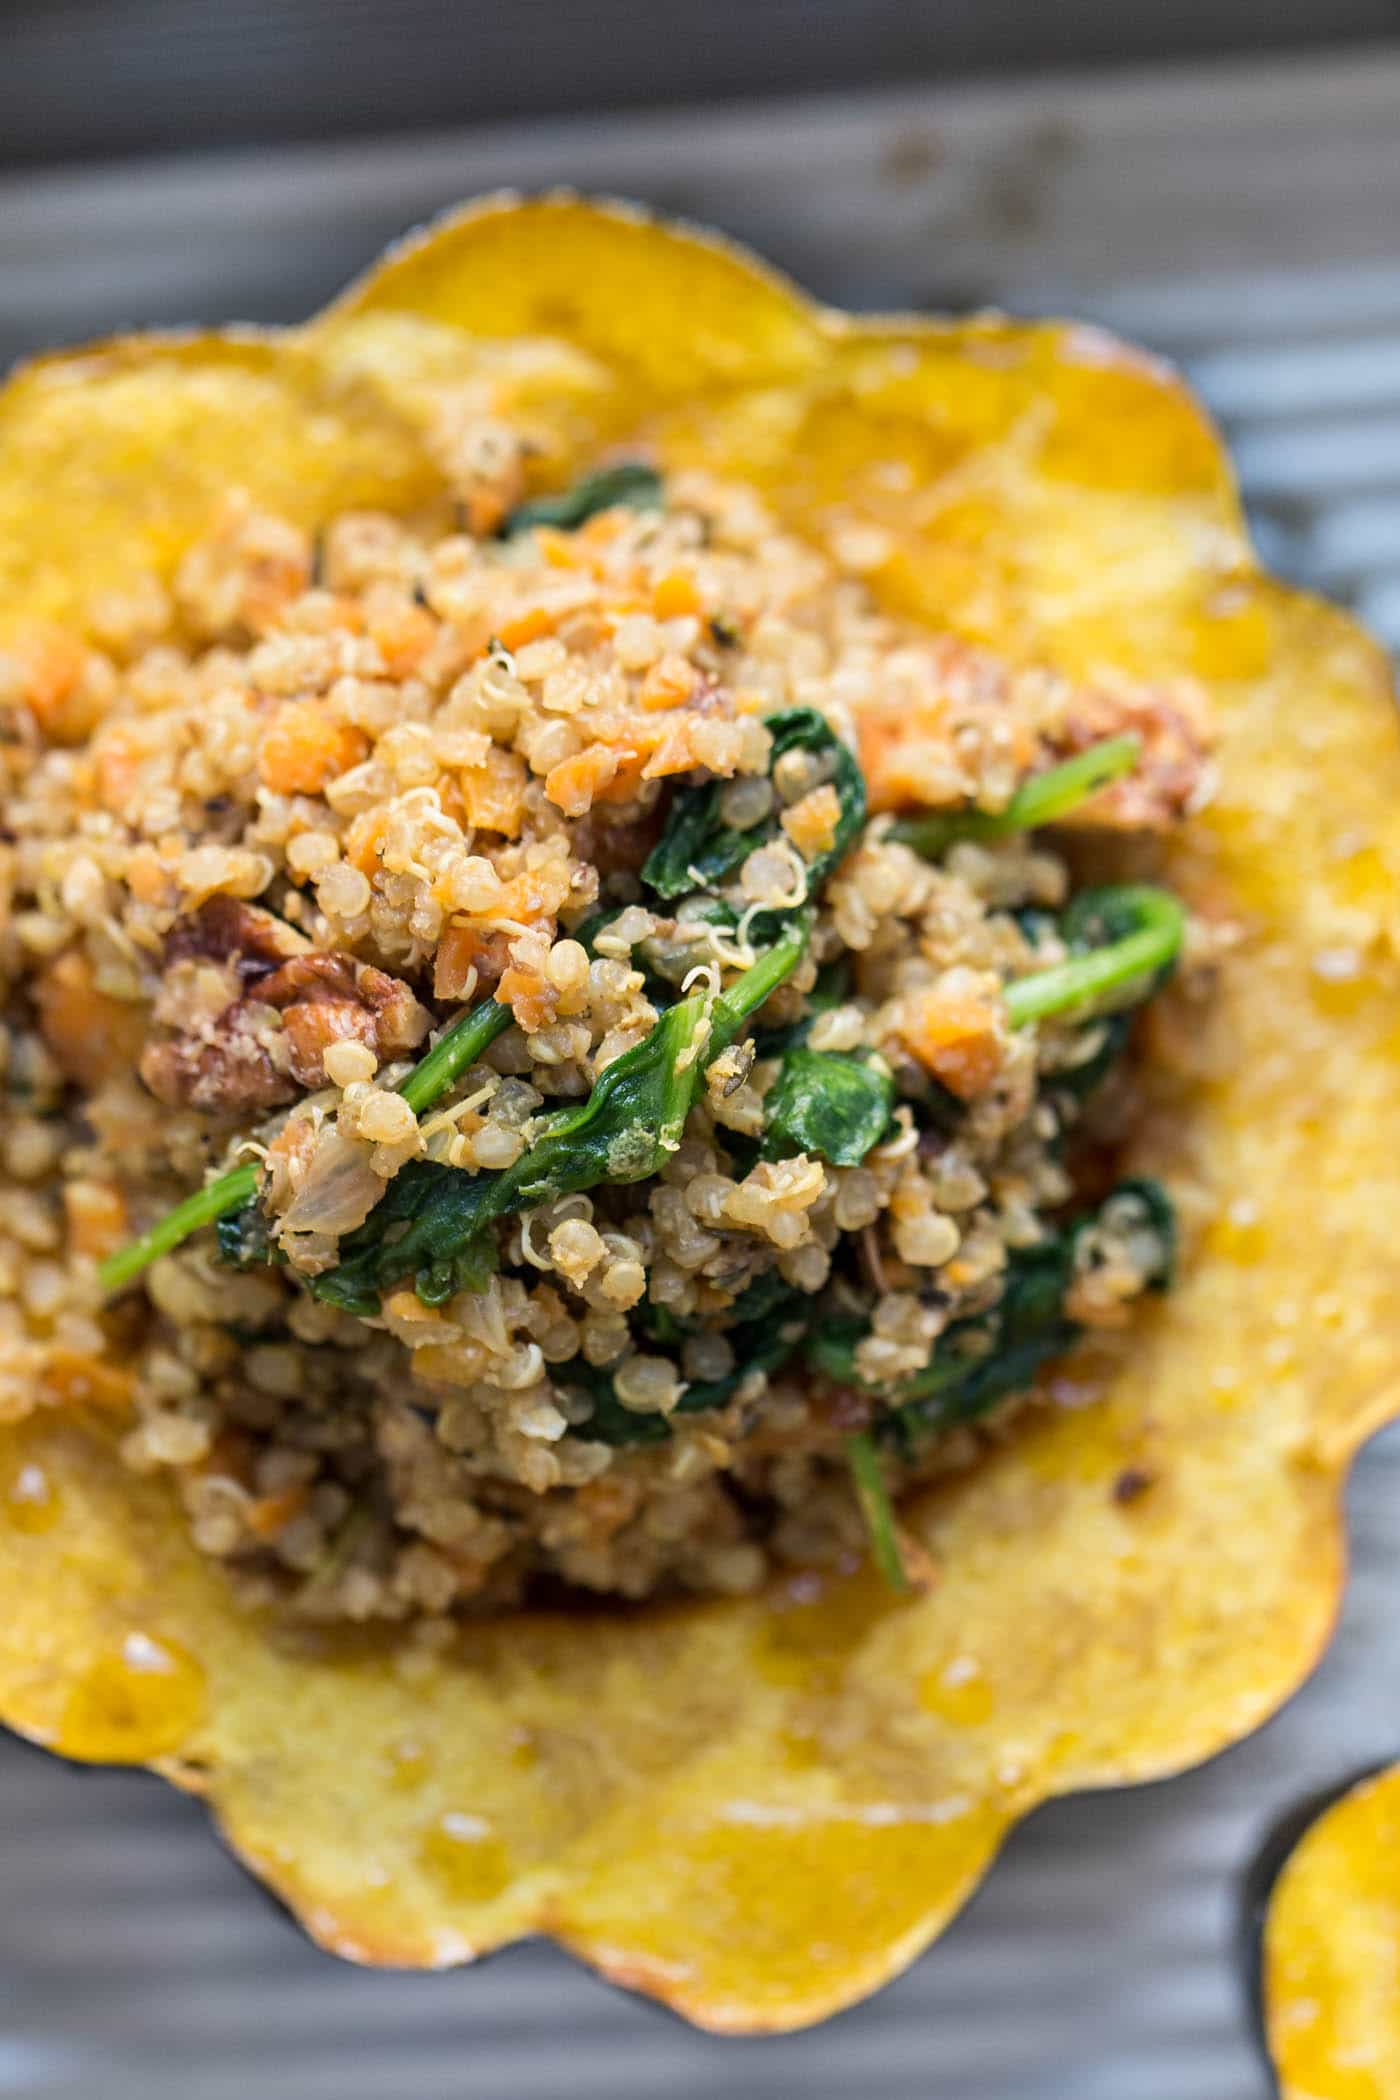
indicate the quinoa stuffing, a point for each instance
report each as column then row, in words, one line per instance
column 553, row 1058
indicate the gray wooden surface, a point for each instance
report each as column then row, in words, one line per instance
column 87, row 77
column 1047, row 192
column 1248, row 223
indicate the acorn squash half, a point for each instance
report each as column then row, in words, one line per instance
column 1331, row 1953
column 759, row 1811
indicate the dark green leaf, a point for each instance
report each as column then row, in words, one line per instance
column 828, row 1102
column 764, row 1327
column 697, row 850
column 1080, row 1080
column 985, row 1359
column 469, row 1269
column 831, row 1348
column 769, row 1293
column 242, row 1236
column 631, row 484
column 623, row 1131
column 660, row 1324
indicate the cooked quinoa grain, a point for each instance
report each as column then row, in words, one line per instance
column 588, row 1031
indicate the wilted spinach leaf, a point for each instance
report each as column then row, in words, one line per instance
column 242, row 1236
column 697, row 850
column 632, row 483
column 828, row 1102
column 622, row 1132
column 764, row 1329
column 984, row 1359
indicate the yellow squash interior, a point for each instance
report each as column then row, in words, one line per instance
column 1332, row 1953
column 759, row 1811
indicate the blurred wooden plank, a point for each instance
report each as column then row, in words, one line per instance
column 1050, row 189
column 916, row 196
column 82, row 78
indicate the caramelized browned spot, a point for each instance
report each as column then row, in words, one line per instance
column 230, row 930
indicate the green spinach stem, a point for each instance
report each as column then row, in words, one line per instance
column 459, row 1046
column 1159, row 926
column 874, row 1499
column 198, row 1210
column 1043, row 799
column 733, row 1008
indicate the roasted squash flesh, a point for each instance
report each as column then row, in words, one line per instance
column 1331, row 1971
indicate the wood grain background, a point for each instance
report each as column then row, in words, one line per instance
column 84, row 78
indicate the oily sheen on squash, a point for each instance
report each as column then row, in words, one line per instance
column 761, row 1810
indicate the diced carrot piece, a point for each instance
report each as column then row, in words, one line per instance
column 485, row 949
column 93, row 1037
column 560, row 549
column 73, row 1378
column 53, row 664
column 303, row 747
column 673, row 746
column 901, row 752
column 811, row 823
column 905, row 745
column 535, row 893
column 532, row 1000
column 454, row 962
column 956, row 1037
column 626, row 780
column 530, row 625
column 147, row 876
column 575, row 782
column 494, row 792
column 119, row 757
column 364, row 839
column 267, row 1514
column 97, row 1216
column 403, row 637
column 669, row 682
column 675, row 595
